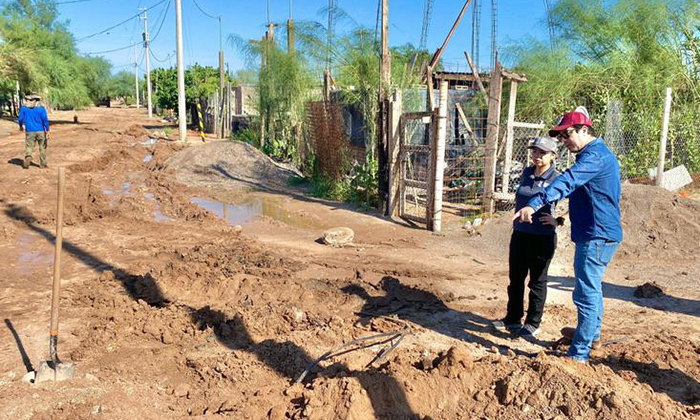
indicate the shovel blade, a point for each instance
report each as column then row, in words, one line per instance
column 61, row 372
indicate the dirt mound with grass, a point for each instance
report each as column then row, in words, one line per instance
column 232, row 165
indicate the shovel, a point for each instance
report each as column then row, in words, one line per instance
column 54, row 369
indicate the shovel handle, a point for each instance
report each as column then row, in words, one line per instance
column 55, row 295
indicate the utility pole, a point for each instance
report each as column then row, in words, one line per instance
column 146, row 42
column 181, row 110
column 136, row 77
column 290, row 31
column 221, row 61
column 384, row 92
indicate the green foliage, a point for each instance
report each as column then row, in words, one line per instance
column 247, row 135
column 200, row 82
column 627, row 51
column 38, row 51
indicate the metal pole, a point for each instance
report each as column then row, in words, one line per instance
column 146, row 45
column 55, row 295
column 181, row 109
column 664, row 137
column 136, row 77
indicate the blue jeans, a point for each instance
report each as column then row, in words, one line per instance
column 590, row 262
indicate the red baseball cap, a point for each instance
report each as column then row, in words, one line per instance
column 568, row 120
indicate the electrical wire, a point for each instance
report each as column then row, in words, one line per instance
column 205, row 13
column 167, row 59
column 113, row 50
column 167, row 9
column 118, row 24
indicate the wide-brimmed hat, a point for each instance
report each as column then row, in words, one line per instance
column 570, row 119
column 33, row 97
column 546, row 144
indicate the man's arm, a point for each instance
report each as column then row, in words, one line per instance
column 21, row 118
column 580, row 173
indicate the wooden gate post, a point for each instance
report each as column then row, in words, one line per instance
column 437, row 172
column 394, row 148
column 492, row 127
column 510, row 134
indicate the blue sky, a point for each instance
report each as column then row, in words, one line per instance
column 518, row 20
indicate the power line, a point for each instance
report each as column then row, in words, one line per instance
column 160, row 26
column 202, row 10
column 118, row 24
column 113, row 50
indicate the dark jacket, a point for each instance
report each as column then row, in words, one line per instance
column 593, row 187
column 530, row 185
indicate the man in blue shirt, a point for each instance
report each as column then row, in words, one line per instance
column 35, row 122
column 593, row 187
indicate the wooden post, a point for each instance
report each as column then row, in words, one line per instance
column 438, row 167
column 492, row 127
column 384, row 128
column 290, row 36
column 465, row 121
column 664, row 137
column 475, row 72
column 510, row 133
column 394, row 163
column 56, row 291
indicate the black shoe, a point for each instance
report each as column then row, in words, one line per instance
column 502, row 325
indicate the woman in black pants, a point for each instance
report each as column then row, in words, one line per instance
column 532, row 245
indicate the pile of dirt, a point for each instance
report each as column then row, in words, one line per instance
column 138, row 131
column 218, row 316
column 656, row 223
column 230, row 164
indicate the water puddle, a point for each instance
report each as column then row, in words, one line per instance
column 248, row 211
column 29, row 260
column 159, row 216
column 125, row 190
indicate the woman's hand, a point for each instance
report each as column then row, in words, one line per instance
column 548, row 219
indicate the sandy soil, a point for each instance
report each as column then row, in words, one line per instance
column 186, row 295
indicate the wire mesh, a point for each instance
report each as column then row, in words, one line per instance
column 416, row 166
column 464, row 153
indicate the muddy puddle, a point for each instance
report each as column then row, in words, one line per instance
column 252, row 209
column 29, row 259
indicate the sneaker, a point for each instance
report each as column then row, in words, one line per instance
column 528, row 331
column 27, row 162
column 503, row 326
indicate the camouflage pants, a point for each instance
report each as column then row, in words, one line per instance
column 36, row 137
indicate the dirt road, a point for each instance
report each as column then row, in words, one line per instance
column 194, row 291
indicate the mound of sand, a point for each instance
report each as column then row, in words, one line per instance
column 657, row 224
column 231, row 165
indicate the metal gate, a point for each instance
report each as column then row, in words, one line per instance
column 415, row 166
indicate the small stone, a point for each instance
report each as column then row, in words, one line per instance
column 96, row 410
column 166, row 337
column 237, row 228
column 182, row 390
column 29, row 377
column 613, row 400
column 510, row 353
